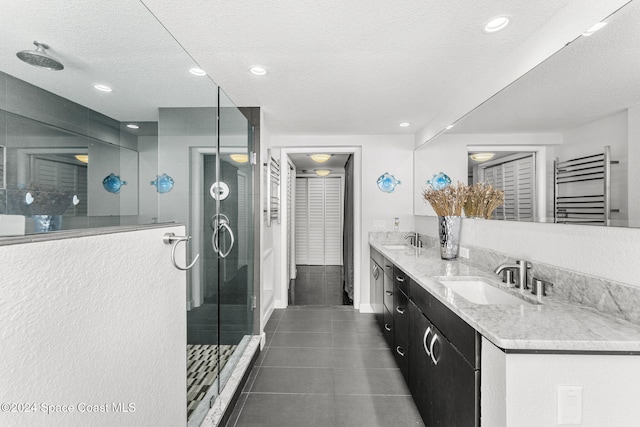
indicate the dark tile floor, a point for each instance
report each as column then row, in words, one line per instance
column 317, row 285
column 324, row 366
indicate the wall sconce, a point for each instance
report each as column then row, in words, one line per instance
column 320, row 158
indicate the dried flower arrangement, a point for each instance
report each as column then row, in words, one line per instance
column 482, row 200
column 448, row 201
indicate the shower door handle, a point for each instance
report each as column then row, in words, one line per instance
column 226, row 225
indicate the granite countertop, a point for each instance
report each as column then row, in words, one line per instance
column 554, row 325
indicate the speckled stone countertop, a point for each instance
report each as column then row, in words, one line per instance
column 551, row 326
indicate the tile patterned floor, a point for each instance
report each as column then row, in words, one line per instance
column 324, row 366
column 317, row 284
column 202, row 370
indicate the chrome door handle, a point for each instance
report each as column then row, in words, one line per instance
column 172, row 239
column 424, row 341
column 226, row 225
column 433, row 341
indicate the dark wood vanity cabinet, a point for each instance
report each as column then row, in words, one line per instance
column 376, row 277
column 381, row 273
column 437, row 352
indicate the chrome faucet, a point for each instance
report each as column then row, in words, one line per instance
column 521, row 268
column 414, row 239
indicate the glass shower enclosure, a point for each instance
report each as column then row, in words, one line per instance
column 212, row 146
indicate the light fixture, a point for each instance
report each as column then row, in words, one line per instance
column 449, row 127
column 404, row 124
column 84, row 158
column 482, row 157
column 239, row 158
column 133, row 126
column 320, row 158
column 197, row 71
column 322, row 172
column 496, row 24
column 258, row 71
column 593, row 29
column 103, row 88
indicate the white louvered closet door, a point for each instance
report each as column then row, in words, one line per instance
column 318, row 224
column 517, row 179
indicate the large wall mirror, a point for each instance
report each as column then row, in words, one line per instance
column 80, row 144
column 562, row 140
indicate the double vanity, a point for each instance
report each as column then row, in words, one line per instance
column 479, row 352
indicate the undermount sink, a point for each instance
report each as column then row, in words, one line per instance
column 395, row 247
column 478, row 291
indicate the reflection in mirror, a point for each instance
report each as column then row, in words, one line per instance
column 571, row 107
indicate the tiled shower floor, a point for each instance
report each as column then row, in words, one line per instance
column 324, row 366
column 202, row 370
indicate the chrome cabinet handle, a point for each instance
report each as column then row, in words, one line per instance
column 400, row 279
column 400, row 310
column 389, row 293
column 424, row 341
column 376, row 272
column 387, row 327
column 433, row 341
column 224, row 255
column 172, row 239
column 400, row 351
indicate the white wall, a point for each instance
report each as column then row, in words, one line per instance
column 378, row 154
column 94, row 320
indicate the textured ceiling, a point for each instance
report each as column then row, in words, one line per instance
column 591, row 78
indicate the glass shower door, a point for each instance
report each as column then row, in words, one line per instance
column 233, row 235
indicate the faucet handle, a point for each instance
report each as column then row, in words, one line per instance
column 539, row 287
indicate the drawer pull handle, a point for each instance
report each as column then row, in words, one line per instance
column 400, row 351
column 387, row 327
column 400, row 279
column 400, row 310
column 424, row 341
column 389, row 293
column 433, row 341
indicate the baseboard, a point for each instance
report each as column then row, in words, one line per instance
column 366, row 308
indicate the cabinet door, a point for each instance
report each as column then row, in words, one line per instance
column 377, row 285
column 454, row 384
column 420, row 364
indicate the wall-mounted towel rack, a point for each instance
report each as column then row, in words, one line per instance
column 272, row 205
column 583, row 189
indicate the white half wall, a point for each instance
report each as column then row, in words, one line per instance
column 92, row 322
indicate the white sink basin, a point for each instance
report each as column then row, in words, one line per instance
column 395, row 247
column 478, row 291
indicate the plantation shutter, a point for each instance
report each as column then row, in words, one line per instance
column 63, row 176
column 318, row 221
column 517, row 179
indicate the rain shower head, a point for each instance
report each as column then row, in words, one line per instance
column 39, row 57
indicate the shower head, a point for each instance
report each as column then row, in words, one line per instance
column 39, row 57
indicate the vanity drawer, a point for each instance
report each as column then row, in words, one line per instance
column 401, row 280
column 377, row 256
column 387, row 328
column 388, row 293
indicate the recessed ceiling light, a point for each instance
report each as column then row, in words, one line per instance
column 322, row 172
column 596, row 27
column 258, row 71
column 103, row 88
column 197, row 71
column 482, row 157
column 84, row 158
column 496, row 24
column 320, row 158
column 133, row 126
column 240, row 158
column 404, row 124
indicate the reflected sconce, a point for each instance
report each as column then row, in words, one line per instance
column 322, row 172
column 84, row 158
column 482, row 157
column 320, row 158
column 239, row 158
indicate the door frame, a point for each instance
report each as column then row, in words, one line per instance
column 281, row 294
